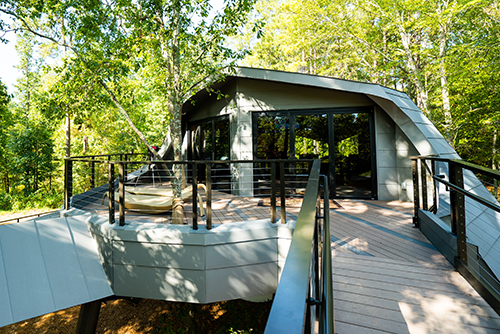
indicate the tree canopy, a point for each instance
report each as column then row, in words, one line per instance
column 442, row 53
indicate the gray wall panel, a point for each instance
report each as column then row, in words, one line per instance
column 62, row 264
column 159, row 255
column 28, row 284
column 241, row 282
column 86, row 248
column 160, row 283
column 5, row 310
column 244, row 253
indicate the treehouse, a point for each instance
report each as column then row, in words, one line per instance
column 257, row 154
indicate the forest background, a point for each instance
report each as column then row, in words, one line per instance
column 444, row 54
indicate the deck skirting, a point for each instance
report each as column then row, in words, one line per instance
column 177, row 263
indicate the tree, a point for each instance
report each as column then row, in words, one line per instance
column 436, row 51
column 5, row 123
column 176, row 47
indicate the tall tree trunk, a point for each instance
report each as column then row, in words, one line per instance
column 414, row 70
column 443, row 32
column 175, row 123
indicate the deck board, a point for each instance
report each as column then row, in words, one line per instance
column 387, row 277
column 405, row 286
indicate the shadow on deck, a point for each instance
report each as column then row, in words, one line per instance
column 388, row 278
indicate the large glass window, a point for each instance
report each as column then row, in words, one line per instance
column 273, row 137
column 352, row 155
column 341, row 138
column 210, row 141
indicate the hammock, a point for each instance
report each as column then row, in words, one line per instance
column 154, row 200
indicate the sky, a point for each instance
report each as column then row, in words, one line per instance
column 8, row 59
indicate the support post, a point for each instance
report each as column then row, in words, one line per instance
column 416, row 197
column 435, row 199
column 92, row 173
column 111, row 192
column 423, row 176
column 121, row 192
column 457, row 208
column 209, row 196
column 282, row 192
column 68, row 183
column 273, row 192
column 88, row 318
column 195, row 196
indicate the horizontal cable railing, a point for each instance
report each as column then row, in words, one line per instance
column 437, row 181
column 226, row 191
column 304, row 295
column 222, row 189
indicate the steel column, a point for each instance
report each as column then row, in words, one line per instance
column 209, row 196
column 416, row 197
column 195, row 196
column 457, row 206
column 282, row 193
column 111, row 192
column 88, row 318
column 273, row 192
column 68, row 183
column 121, row 192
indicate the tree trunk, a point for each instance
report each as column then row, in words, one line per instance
column 175, row 123
column 421, row 93
column 443, row 32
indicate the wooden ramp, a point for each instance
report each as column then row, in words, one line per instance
column 388, row 278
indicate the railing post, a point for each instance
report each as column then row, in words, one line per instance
column 125, row 172
column 209, row 196
column 326, row 323
column 273, row 192
column 68, row 183
column 111, row 192
column 92, row 178
column 435, row 199
column 121, row 192
column 423, row 177
column 416, row 197
column 282, row 192
column 457, row 208
column 195, row 195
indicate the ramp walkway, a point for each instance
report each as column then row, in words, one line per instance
column 46, row 265
column 388, row 278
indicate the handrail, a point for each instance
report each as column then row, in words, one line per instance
column 457, row 253
column 288, row 312
column 479, row 199
column 117, row 183
column 27, row 216
column 466, row 164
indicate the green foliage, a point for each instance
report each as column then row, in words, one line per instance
column 33, row 153
column 443, row 54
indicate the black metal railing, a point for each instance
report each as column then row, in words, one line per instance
column 18, row 219
column 88, row 179
column 304, row 295
column 459, row 180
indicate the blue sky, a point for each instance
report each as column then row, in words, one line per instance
column 8, row 59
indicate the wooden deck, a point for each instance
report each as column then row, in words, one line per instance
column 388, row 278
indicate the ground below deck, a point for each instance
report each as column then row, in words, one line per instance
column 388, row 278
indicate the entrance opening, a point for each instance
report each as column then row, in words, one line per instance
column 210, row 141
